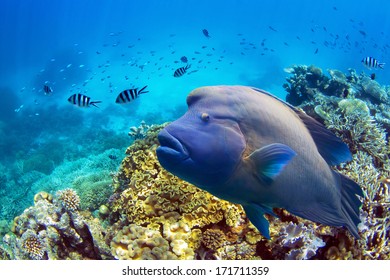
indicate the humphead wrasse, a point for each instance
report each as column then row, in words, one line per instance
column 246, row 146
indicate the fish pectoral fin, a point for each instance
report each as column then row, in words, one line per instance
column 255, row 214
column 270, row 161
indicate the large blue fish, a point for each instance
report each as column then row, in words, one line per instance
column 248, row 147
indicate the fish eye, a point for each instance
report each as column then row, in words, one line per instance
column 205, row 117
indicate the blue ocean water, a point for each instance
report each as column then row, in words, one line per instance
column 100, row 48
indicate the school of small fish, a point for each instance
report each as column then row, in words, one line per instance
column 204, row 56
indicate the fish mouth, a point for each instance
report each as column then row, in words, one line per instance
column 171, row 149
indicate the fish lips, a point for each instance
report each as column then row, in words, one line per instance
column 171, row 151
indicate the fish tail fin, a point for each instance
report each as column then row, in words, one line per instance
column 350, row 203
column 188, row 66
column 381, row 65
column 142, row 90
column 93, row 103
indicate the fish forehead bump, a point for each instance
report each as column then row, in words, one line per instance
column 215, row 92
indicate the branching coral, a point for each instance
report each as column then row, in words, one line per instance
column 362, row 121
column 139, row 132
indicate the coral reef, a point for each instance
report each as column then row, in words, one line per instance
column 56, row 230
column 139, row 132
column 143, row 212
column 148, row 196
column 139, row 243
column 361, row 119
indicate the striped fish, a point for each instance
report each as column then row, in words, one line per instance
column 81, row 100
column 129, row 95
column 48, row 90
column 371, row 62
column 181, row 71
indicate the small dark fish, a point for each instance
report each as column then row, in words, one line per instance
column 206, row 33
column 372, row 76
column 371, row 62
column 184, row 59
column 48, row 90
column 181, row 71
column 345, row 93
column 316, row 51
column 129, row 95
column 363, row 33
column 113, row 157
column 273, row 29
column 81, row 100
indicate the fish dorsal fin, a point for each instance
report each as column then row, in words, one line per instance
column 331, row 148
column 270, row 160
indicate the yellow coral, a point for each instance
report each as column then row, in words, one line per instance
column 138, row 243
column 177, row 211
column 213, row 238
column 153, row 192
